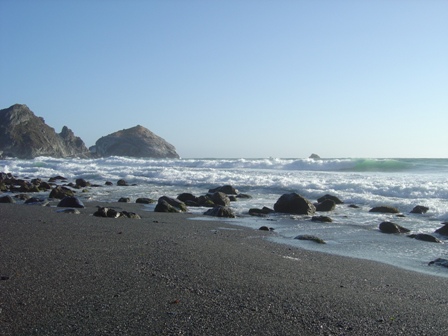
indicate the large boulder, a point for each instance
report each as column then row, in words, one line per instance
column 137, row 141
column 220, row 211
column 389, row 227
column 24, row 135
column 385, row 209
column 443, row 230
column 295, row 204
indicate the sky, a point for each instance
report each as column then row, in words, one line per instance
column 236, row 78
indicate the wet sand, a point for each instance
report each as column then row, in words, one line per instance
column 168, row 274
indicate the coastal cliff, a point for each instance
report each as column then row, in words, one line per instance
column 24, row 135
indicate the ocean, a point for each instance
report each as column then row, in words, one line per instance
column 401, row 183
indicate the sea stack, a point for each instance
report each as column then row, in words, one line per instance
column 137, row 141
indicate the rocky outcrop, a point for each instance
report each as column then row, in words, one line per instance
column 137, row 141
column 24, row 135
column 294, row 204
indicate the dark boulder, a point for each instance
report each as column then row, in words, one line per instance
column 206, row 201
column 81, row 183
column 311, row 238
column 220, row 198
column 144, row 200
column 122, row 183
column 294, row 204
column 107, row 212
column 443, row 230
column 439, row 262
column 60, row 192
column 57, row 178
column 7, row 199
column 425, row 237
column 131, row 215
column 385, row 209
column 389, row 227
column 335, row 199
column 71, row 202
column 124, row 200
column 34, row 200
column 226, row 189
column 243, row 196
column 220, row 211
column 323, row 219
column 326, row 205
column 174, row 202
column 164, row 206
column 265, row 228
column 260, row 212
column 187, row 197
column 419, row 209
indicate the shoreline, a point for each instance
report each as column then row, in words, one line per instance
column 167, row 274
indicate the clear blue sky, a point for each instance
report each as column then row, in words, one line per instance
column 239, row 78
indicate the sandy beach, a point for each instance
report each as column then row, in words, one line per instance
column 169, row 274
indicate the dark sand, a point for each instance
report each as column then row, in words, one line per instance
column 66, row 274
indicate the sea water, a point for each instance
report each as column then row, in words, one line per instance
column 401, row 183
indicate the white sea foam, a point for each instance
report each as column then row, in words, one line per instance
column 402, row 183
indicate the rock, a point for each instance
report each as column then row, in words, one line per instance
column 124, row 200
column 326, row 205
column 57, row 178
column 226, row 189
column 244, row 196
column 187, row 197
column 260, row 212
column 34, row 200
column 335, row 199
column 323, row 219
column 419, row 209
column 425, row 237
column 60, row 192
column 122, row 183
column 174, row 202
column 81, row 183
column 131, row 215
column 294, row 204
column 206, row 201
column 144, row 200
column 137, row 141
column 107, row 212
column 26, row 136
column 7, row 199
column 164, row 206
column 439, row 262
column 265, row 228
column 220, row 211
column 385, row 209
column 311, row 238
column 71, row 202
column 443, row 230
column 354, row 206
column 314, row 156
column 108, row 183
column 220, row 198
column 389, row 227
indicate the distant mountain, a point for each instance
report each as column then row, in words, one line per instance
column 24, row 135
column 137, row 141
